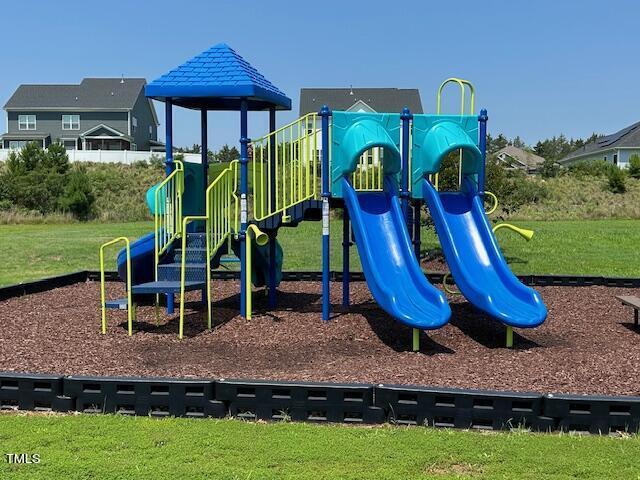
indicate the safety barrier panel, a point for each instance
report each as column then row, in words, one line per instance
column 168, row 210
column 457, row 408
column 321, row 402
column 313, row 402
column 144, row 396
column 284, row 167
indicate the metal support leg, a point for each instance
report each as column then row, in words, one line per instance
column 272, row 270
column 416, row 340
column 509, row 336
column 170, row 303
column 635, row 318
column 345, row 257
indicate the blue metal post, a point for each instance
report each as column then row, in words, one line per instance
column 482, row 143
column 406, row 117
column 346, row 243
column 326, row 291
column 204, row 147
column 168, row 114
column 417, row 209
column 169, row 166
column 272, row 189
column 244, row 189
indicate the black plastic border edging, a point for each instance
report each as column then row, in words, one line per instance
column 434, row 277
column 320, row 403
column 58, row 281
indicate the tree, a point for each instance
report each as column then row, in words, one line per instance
column 227, row 154
column 616, row 181
column 634, row 166
column 78, row 197
column 549, row 168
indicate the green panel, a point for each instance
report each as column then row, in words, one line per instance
column 435, row 136
column 353, row 133
column 193, row 202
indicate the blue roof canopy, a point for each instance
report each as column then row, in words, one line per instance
column 218, row 79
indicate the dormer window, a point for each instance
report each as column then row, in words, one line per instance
column 70, row 122
column 134, row 124
column 26, row 122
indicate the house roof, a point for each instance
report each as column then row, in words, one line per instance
column 379, row 99
column 91, row 93
column 528, row 159
column 628, row 137
column 218, row 79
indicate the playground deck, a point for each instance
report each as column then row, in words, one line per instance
column 588, row 345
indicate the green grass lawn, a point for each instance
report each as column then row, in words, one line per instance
column 596, row 247
column 107, row 446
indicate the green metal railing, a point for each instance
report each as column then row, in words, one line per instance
column 284, row 167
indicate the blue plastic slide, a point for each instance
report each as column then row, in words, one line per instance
column 393, row 274
column 476, row 263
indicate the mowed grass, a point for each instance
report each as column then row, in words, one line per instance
column 107, row 446
column 584, row 247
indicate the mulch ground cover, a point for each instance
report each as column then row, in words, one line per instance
column 587, row 345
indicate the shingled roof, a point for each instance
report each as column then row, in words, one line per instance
column 218, row 79
column 379, row 99
column 628, row 137
column 91, row 93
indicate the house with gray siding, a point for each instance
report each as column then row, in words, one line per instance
column 616, row 148
column 97, row 114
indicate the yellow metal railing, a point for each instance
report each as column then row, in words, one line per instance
column 369, row 174
column 261, row 239
column 168, row 210
column 221, row 221
column 464, row 85
column 103, row 301
column 284, row 167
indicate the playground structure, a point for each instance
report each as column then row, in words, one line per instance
column 300, row 171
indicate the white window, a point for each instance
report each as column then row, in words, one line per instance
column 17, row 144
column 71, row 122
column 134, row 124
column 150, row 131
column 26, row 122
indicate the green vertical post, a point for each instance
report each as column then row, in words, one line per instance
column 416, row 340
column 509, row 336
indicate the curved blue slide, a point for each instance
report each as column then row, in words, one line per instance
column 393, row 274
column 475, row 260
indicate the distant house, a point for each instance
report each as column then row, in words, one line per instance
column 518, row 159
column 388, row 100
column 616, row 148
column 97, row 114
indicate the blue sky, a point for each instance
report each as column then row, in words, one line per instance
column 541, row 68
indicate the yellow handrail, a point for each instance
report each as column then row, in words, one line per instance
column 462, row 84
column 495, row 202
column 523, row 232
column 168, row 211
column 130, row 305
column 261, row 239
column 221, row 217
column 284, row 167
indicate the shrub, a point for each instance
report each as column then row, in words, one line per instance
column 615, row 183
column 591, row 168
column 38, row 180
column 78, row 197
column 634, row 166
